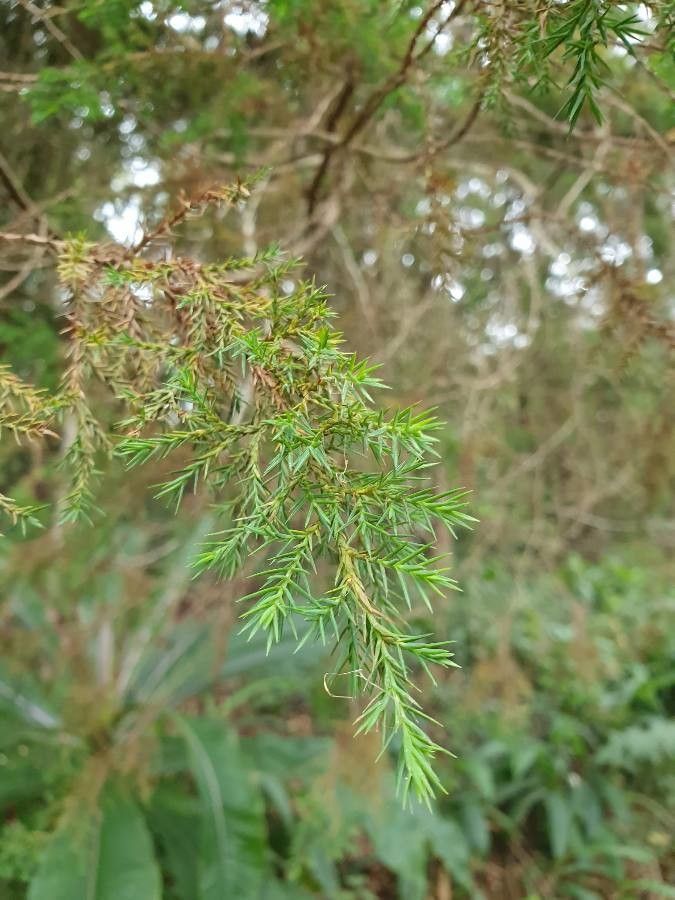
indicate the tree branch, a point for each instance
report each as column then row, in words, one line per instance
column 380, row 94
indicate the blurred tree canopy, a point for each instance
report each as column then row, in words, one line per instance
column 486, row 188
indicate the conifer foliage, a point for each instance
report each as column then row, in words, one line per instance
column 234, row 370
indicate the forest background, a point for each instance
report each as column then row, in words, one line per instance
column 486, row 190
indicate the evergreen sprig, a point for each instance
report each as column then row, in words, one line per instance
column 585, row 29
column 249, row 389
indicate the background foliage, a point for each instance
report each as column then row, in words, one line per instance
column 486, row 189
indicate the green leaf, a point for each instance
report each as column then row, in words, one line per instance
column 175, row 819
column 559, row 817
column 655, row 888
column 104, row 855
column 401, row 845
column 233, row 840
column 482, row 776
column 450, row 846
column 476, row 826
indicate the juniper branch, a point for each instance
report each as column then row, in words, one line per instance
column 310, row 477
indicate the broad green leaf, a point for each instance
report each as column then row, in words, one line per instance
column 280, row 756
column 523, row 757
column 23, row 700
column 405, row 841
column 103, row 855
column 449, row 844
column 233, row 840
column 175, row 819
column 559, row 817
column 480, row 773
column 402, row 846
column 475, row 826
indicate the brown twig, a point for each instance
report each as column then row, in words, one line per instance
column 331, row 124
column 28, row 267
column 18, row 77
column 454, row 138
column 380, row 94
column 39, row 15
column 189, row 206
column 578, row 134
column 13, row 186
column 21, row 198
column 38, row 239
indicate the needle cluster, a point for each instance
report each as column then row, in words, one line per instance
column 248, row 387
